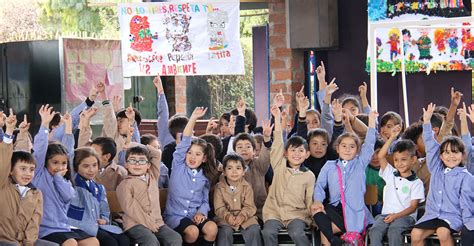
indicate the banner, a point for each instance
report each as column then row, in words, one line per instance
column 424, row 49
column 85, row 62
column 181, row 38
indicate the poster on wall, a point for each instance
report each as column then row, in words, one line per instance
column 84, row 62
column 188, row 38
column 422, row 48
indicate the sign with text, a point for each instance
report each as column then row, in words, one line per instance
column 180, row 38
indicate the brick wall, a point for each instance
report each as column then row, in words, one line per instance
column 180, row 94
column 286, row 65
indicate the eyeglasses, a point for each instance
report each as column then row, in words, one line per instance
column 137, row 162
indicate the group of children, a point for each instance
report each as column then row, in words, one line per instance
column 237, row 177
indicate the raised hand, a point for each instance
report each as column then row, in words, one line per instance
column 267, row 128
column 395, row 131
column 158, row 84
column 198, row 113
column 332, row 87
column 46, row 113
column 67, row 119
column 337, row 110
column 130, row 113
column 116, row 103
column 93, row 93
column 275, row 112
column 321, row 74
column 241, row 106
column 10, row 122
column 470, row 115
column 428, row 112
column 24, row 125
column 456, row 97
column 363, row 90
column 3, row 117
column 279, row 99
column 372, row 117
column 101, row 91
column 211, row 125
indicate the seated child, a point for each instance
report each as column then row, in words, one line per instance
column 22, row 204
column 372, row 176
column 110, row 174
column 403, row 192
column 52, row 178
column 138, row 195
column 89, row 209
column 450, row 184
column 187, row 206
column 149, row 139
column 234, row 206
column 290, row 195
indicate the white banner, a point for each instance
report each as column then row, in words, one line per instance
column 180, row 38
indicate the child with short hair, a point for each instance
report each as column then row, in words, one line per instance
column 345, row 180
column 290, row 195
column 388, row 121
column 403, row 192
column 234, row 205
column 152, row 140
column 372, row 176
column 188, row 197
column 89, row 209
column 21, row 202
column 51, row 178
column 450, row 185
column 138, row 195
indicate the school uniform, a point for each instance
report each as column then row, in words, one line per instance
column 89, row 205
column 397, row 196
column 236, row 201
column 289, row 198
column 111, row 176
column 357, row 216
column 21, row 206
column 57, row 192
column 447, row 199
column 188, row 191
column 139, row 198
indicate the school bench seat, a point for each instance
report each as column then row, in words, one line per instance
column 283, row 236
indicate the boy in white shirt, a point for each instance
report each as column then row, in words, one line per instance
column 402, row 194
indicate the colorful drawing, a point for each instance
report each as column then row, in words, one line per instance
column 394, row 40
column 467, row 43
column 424, row 45
column 378, row 42
column 452, row 41
column 440, row 40
column 140, row 36
column 177, row 30
column 216, row 23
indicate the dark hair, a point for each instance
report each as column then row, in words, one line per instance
column 107, row 145
column 82, row 153
column 348, row 135
column 146, row 139
column 138, row 116
column 318, row 132
column 22, row 156
column 454, row 143
column 348, row 98
column 296, row 141
column 390, row 115
column 55, row 120
column 250, row 118
column 405, row 145
column 56, row 148
column 258, row 139
column 225, row 116
column 139, row 149
column 379, row 142
column 436, row 120
column 177, row 123
column 364, row 118
column 210, row 166
column 314, row 111
column 441, row 110
column 244, row 136
column 406, row 32
column 215, row 141
column 233, row 157
column 413, row 132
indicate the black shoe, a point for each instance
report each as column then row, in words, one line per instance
column 336, row 241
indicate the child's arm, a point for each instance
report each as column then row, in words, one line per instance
column 23, row 141
column 327, row 118
column 248, row 205
column 363, row 98
column 162, row 113
column 448, row 123
column 68, row 138
column 40, row 143
column 309, row 192
column 320, row 190
column 205, row 208
column 104, row 206
column 32, row 227
column 466, row 136
column 262, row 163
column 220, row 207
column 276, row 153
column 300, row 119
column 407, row 211
column 433, row 160
column 85, row 131
column 155, row 161
column 132, row 208
column 384, row 150
column 76, row 112
column 110, row 121
column 321, row 75
column 240, row 118
column 367, row 149
column 6, row 149
column 466, row 198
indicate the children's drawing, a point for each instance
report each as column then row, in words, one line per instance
column 177, row 31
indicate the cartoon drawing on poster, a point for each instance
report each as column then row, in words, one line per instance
column 177, row 30
column 216, row 24
column 140, row 34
